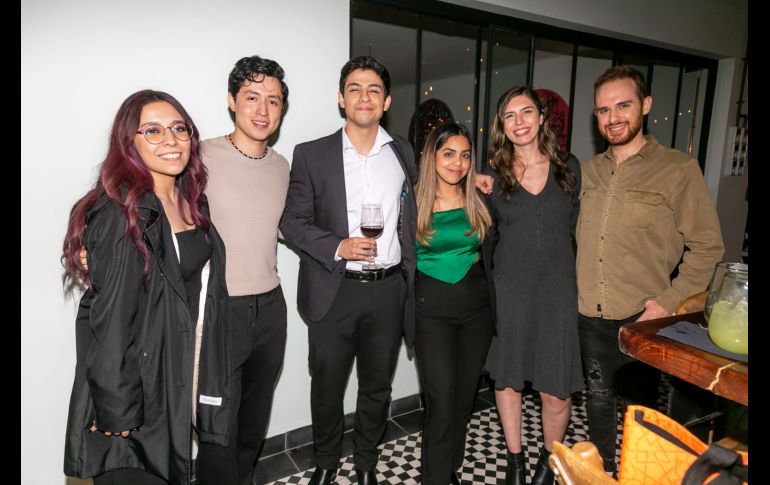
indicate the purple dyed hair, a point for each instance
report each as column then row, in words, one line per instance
column 123, row 171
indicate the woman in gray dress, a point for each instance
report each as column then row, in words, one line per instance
column 535, row 207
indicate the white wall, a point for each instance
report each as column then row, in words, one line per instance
column 80, row 59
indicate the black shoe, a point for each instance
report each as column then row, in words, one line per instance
column 516, row 468
column 366, row 477
column 543, row 473
column 323, row 476
column 454, row 479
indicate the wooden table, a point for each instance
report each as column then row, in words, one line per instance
column 722, row 376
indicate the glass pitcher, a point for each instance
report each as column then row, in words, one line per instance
column 717, row 277
column 728, row 317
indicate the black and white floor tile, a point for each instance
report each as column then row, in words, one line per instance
column 484, row 448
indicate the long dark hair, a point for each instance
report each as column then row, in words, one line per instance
column 502, row 149
column 124, row 177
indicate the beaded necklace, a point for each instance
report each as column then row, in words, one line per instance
column 260, row 157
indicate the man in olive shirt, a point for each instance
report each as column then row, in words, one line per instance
column 641, row 205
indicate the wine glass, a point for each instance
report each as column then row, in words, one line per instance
column 371, row 226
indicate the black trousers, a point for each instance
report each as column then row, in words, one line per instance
column 609, row 374
column 128, row 476
column 365, row 322
column 454, row 328
column 258, row 327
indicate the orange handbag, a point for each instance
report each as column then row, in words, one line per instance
column 658, row 450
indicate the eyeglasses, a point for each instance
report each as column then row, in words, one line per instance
column 155, row 133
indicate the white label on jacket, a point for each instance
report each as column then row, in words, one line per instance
column 214, row 401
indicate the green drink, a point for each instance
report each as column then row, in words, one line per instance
column 729, row 326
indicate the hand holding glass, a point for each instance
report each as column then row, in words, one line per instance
column 371, row 226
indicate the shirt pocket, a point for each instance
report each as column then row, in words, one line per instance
column 642, row 208
column 588, row 204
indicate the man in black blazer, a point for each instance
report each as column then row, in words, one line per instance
column 351, row 312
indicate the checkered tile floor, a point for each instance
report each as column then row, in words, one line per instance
column 484, row 448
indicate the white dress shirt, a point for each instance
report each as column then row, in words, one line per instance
column 372, row 178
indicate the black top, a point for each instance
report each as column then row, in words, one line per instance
column 194, row 252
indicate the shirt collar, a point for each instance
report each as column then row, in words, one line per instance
column 643, row 153
column 382, row 139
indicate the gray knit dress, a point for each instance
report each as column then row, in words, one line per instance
column 536, row 289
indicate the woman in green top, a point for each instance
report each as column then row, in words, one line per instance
column 454, row 296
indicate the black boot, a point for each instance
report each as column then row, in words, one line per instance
column 454, row 479
column 323, row 476
column 516, row 469
column 543, row 473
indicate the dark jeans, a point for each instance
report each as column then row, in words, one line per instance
column 453, row 330
column 609, row 374
column 365, row 322
column 258, row 335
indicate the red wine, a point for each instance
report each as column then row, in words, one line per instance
column 371, row 231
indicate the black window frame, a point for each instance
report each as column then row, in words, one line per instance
column 488, row 21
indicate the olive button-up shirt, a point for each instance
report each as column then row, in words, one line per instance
column 635, row 221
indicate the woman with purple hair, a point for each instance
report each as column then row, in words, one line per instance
column 153, row 261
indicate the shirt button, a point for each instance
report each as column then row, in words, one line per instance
column 611, row 193
column 602, row 237
column 601, row 260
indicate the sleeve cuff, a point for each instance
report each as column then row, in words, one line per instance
column 669, row 300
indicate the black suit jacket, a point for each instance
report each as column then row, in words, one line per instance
column 315, row 220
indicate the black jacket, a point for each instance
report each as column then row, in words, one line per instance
column 135, row 349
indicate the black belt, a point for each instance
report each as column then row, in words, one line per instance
column 374, row 274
